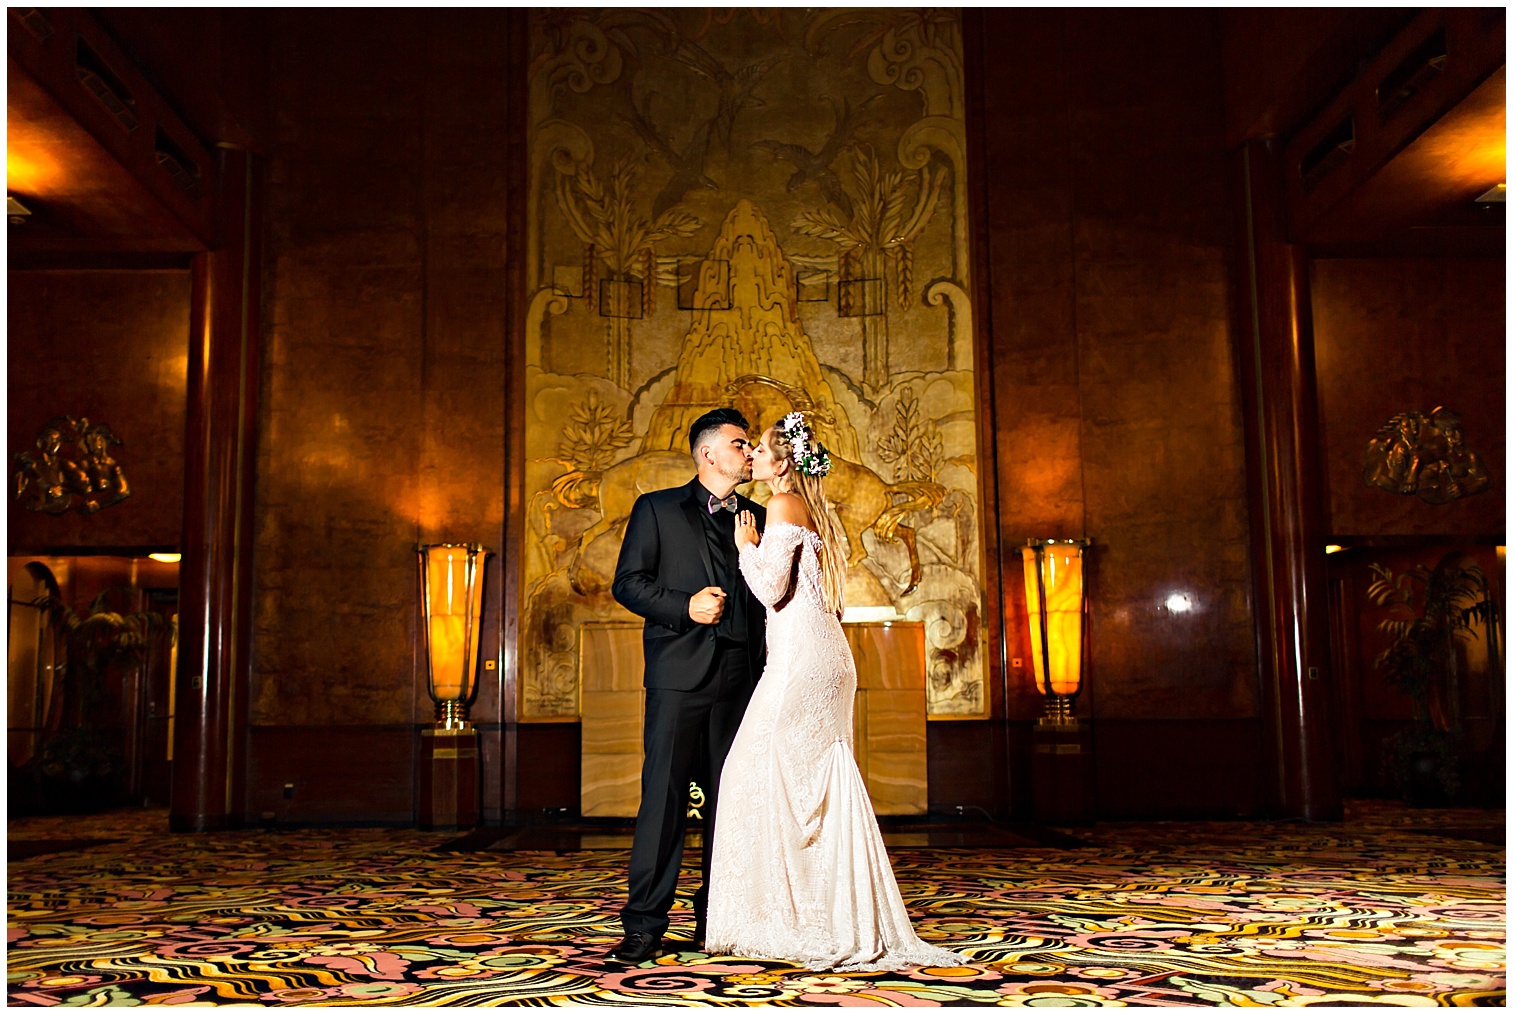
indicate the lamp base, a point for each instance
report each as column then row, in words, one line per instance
column 1062, row 771
column 448, row 779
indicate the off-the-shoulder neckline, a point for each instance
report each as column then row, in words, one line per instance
column 790, row 524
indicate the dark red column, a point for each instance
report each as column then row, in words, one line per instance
column 215, row 575
column 1274, row 352
column 502, row 776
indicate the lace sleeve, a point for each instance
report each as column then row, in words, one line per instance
column 769, row 566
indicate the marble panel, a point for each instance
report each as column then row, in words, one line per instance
column 859, row 717
column 895, row 722
column 611, row 785
column 889, row 655
column 898, row 783
column 611, row 657
column 612, row 706
column 612, row 722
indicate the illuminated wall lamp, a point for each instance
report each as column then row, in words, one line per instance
column 17, row 212
column 451, row 602
column 1057, row 600
column 451, row 599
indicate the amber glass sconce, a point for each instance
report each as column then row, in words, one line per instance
column 1057, row 600
column 1056, row 595
column 451, row 601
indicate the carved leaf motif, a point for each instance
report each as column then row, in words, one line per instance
column 892, row 209
column 603, row 213
column 674, row 223
column 825, row 224
column 915, row 445
column 593, row 435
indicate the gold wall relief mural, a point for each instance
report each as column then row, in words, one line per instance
column 763, row 208
column 71, row 468
column 1425, row 454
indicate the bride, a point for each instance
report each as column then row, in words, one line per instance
column 799, row 870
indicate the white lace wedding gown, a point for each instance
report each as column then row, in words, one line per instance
column 799, row 872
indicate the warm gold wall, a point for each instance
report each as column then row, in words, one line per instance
column 766, row 209
column 1119, row 411
column 1107, row 231
column 383, row 399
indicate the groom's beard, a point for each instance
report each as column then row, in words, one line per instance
column 740, row 476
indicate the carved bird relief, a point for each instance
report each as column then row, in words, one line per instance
column 687, row 165
column 814, row 167
column 735, row 88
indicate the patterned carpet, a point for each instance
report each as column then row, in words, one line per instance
column 1393, row 907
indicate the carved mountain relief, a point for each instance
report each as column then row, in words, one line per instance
column 754, row 354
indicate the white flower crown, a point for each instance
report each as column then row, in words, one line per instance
column 809, row 455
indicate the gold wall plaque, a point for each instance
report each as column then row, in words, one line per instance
column 1425, row 455
column 71, row 468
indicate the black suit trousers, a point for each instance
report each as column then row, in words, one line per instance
column 683, row 728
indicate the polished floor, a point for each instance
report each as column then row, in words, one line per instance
column 1393, row 906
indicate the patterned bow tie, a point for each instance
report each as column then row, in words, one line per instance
column 728, row 504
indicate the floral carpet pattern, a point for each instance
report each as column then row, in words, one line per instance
column 1373, row 911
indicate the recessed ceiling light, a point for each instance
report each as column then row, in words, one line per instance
column 1497, row 194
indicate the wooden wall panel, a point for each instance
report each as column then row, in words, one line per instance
column 385, row 392
column 968, row 767
column 550, row 767
column 1118, row 408
column 1179, row 769
column 1394, row 335
column 363, row 774
column 112, row 346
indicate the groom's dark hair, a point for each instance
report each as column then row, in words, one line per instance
column 710, row 422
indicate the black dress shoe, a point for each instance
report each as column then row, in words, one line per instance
column 636, row 948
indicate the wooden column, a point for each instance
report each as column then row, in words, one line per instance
column 501, row 784
column 1274, row 352
column 996, row 754
column 215, row 608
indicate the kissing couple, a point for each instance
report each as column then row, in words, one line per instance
column 794, row 865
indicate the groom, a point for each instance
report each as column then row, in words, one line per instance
column 704, row 646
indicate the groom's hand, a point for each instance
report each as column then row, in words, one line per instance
column 707, row 605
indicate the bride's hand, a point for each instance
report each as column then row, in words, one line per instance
column 745, row 530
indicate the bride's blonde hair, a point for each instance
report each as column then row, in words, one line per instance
column 811, row 489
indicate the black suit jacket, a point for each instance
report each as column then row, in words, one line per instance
column 664, row 562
